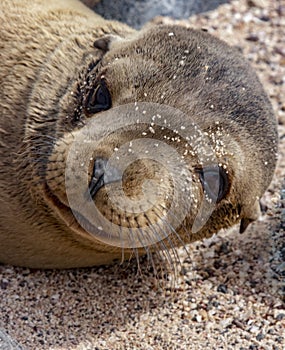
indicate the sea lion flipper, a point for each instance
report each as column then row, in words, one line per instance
column 252, row 214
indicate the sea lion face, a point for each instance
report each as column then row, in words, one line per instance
column 152, row 142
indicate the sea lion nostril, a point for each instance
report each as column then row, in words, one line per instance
column 103, row 174
column 97, row 180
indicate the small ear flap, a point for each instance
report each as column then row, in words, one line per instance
column 251, row 214
column 104, row 42
column 244, row 223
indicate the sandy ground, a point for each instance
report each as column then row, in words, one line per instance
column 136, row 12
column 229, row 291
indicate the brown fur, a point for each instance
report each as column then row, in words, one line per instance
column 45, row 49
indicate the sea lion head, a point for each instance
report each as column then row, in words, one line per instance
column 164, row 137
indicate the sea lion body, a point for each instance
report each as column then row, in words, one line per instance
column 49, row 65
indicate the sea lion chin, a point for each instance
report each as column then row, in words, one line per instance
column 116, row 141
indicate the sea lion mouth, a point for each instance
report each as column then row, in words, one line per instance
column 74, row 220
column 60, row 208
column 138, row 227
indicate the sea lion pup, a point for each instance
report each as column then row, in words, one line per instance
column 70, row 83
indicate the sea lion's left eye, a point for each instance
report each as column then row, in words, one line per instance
column 215, row 182
column 98, row 99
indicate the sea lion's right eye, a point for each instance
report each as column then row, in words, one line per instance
column 98, row 99
column 215, row 182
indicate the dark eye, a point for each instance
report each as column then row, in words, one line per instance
column 215, row 182
column 98, row 99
